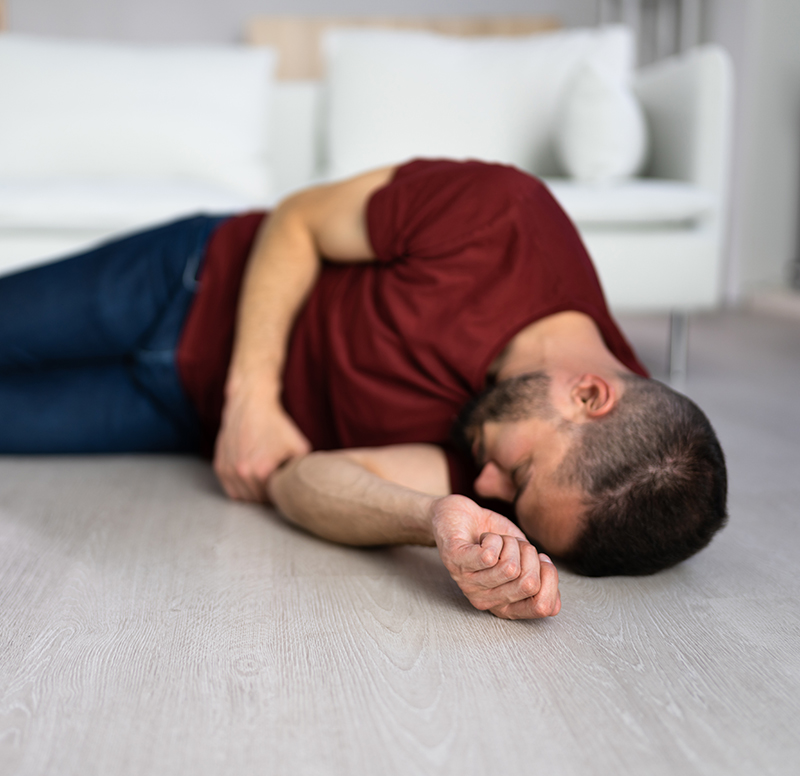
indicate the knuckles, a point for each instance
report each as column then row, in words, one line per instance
column 242, row 470
column 509, row 570
column 248, row 470
column 530, row 585
column 542, row 609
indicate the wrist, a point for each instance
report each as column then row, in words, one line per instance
column 242, row 383
column 425, row 512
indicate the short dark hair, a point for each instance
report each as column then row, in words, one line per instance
column 654, row 478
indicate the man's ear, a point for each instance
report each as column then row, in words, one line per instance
column 593, row 396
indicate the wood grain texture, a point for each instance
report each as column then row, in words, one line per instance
column 298, row 39
column 150, row 626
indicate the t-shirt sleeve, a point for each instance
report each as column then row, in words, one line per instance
column 432, row 208
column 494, row 248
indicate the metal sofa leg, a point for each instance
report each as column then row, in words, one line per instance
column 678, row 346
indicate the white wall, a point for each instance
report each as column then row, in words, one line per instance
column 762, row 35
column 771, row 147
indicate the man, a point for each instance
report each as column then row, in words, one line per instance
column 440, row 280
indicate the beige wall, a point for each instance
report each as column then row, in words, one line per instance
column 223, row 20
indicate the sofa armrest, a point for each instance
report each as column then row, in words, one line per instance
column 688, row 103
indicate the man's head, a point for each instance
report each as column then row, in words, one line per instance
column 619, row 477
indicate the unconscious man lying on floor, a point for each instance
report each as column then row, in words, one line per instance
column 420, row 354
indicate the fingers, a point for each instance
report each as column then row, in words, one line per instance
column 500, row 583
column 545, row 603
column 241, row 482
column 514, row 577
column 491, row 548
column 507, row 566
column 493, row 562
column 530, row 591
column 246, row 479
column 244, row 464
column 496, row 569
column 465, row 557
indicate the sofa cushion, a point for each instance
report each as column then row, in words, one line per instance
column 192, row 113
column 634, row 203
column 108, row 204
column 392, row 95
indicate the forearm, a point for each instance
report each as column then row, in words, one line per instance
column 335, row 497
column 256, row 434
column 338, row 499
column 327, row 221
column 281, row 272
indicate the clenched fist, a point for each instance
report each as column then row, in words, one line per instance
column 492, row 562
column 255, row 438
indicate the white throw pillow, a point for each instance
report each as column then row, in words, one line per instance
column 191, row 113
column 392, row 95
column 601, row 133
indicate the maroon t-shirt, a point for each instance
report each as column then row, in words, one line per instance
column 206, row 342
column 468, row 254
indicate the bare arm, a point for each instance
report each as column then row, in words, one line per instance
column 256, row 434
column 336, row 498
column 367, row 497
column 363, row 496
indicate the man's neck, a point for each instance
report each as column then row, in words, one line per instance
column 569, row 341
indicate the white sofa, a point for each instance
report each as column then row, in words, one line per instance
column 656, row 239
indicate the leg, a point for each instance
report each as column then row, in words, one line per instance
column 99, row 304
column 113, row 315
column 93, row 408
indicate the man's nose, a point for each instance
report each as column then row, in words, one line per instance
column 493, row 482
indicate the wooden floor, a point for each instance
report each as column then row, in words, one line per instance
column 149, row 626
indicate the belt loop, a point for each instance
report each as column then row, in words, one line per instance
column 191, row 270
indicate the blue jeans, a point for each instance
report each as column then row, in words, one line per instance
column 87, row 347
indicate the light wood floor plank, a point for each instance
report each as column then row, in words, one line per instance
column 150, row 626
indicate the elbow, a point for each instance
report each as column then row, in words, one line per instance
column 299, row 491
